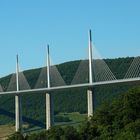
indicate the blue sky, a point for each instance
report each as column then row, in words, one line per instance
column 27, row 26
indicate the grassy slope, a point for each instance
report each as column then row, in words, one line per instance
column 6, row 130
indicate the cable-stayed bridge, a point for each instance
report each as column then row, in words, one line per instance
column 90, row 73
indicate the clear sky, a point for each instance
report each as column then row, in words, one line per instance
column 26, row 26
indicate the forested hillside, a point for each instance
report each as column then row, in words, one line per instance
column 118, row 120
column 72, row 100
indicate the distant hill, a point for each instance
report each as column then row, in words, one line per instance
column 71, row 100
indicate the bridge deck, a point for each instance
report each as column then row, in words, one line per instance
column 71, row 86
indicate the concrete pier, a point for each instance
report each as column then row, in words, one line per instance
column 49, row 111
column 90, row 102
column 18, row 115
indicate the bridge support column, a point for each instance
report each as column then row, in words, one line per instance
column 49, row 111
column 90, row 102
column 18, row 114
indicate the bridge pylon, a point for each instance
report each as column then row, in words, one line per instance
column 49, row 98
column 18, row 109
column 90, row 90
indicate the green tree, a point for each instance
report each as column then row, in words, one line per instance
column 16, row 136
column 70, row 133
column 55, row 133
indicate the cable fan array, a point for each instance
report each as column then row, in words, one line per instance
column 100, row 70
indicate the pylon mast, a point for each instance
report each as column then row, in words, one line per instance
column 90, row 58
column 48, row 66
column 17, row 73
